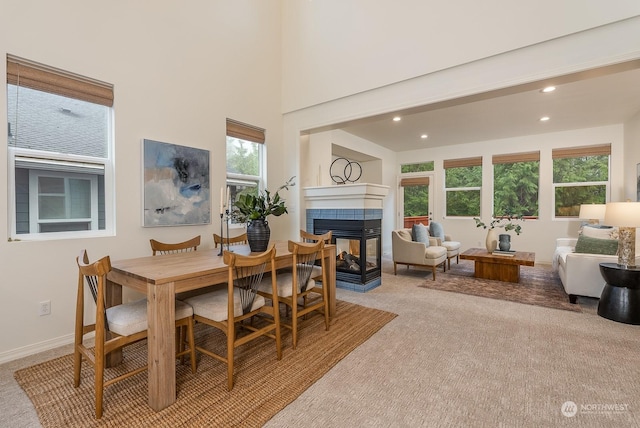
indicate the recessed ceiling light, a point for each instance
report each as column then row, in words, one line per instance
column 397, row 119
column 549, row 89
column 424, row 136
column 544, row 118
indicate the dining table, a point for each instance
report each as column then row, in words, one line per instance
column 161, row 278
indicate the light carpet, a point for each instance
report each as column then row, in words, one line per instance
column 539, row 286
column 263, row 384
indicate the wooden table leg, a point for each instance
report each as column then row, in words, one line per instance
column 161, row 345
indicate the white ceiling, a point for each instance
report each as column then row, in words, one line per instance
column 606, row 96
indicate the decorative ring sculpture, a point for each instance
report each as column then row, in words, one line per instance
column 350, row 175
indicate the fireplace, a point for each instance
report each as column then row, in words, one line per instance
column 358, row 249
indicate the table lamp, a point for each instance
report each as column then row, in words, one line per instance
column 592, row 212
column 625, row 215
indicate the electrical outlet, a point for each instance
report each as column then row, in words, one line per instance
column 44, row 308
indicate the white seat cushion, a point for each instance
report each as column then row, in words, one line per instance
column 213, row 305
column 283, row 281
column 130, row 318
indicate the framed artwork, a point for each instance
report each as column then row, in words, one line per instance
column 176, row 185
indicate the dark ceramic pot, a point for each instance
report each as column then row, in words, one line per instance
column 258, row 234
column 504, row 242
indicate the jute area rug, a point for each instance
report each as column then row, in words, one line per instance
column 263, row 385
column 539, row 285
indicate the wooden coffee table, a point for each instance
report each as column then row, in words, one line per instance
column 498, row 267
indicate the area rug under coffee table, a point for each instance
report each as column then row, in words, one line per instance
column 263, row 384
column 539, row 285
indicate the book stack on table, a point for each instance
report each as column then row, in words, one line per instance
column 509, row 253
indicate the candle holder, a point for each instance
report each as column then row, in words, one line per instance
column 221, row 235
column 228, row 240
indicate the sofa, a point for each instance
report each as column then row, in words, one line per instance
column 407, row 251
column 579, row 270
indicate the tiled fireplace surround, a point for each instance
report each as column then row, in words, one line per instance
column 346, row 202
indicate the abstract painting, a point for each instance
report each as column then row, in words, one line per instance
column 176, row 185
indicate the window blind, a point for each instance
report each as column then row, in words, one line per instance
column 516, row 157
column 458, row 163
column 414, row 181
column 28, row 74
column 244, row 131
column 577, row 152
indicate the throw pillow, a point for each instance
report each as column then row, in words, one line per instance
column 600, row 232
column 590, row 245
column 436, row 230
column 420, row 233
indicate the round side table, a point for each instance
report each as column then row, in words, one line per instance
column 620, row 300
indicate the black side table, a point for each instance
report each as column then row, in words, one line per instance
column 620, row 300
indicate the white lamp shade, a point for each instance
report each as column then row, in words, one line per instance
column 622, row 214
column 592, row 211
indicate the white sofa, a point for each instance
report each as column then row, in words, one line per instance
column 580, row 272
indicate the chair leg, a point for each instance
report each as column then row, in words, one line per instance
column 192, row 345
column 99, row 385
column 230, row 346
column 433, row 270
column 395, row 268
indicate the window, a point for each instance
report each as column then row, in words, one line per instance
column 463, row 182
column 59, row 152
column 516, row 178
column 580, row 176
column 415, row 199
column 416, row 167
column 245, row 159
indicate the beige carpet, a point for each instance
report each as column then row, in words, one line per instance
column 263, row 385
column 538, row 286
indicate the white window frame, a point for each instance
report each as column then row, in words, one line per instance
column 247, row 179
column 580, row 184
column 51, row 162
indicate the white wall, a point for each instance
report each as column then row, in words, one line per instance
column 337, row 48
column 179, row 70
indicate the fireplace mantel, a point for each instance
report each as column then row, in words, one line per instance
column 346, row 196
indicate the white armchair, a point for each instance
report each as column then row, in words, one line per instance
column 412, row 253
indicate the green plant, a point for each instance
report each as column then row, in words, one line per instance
column 253, row 207
column 504, row 221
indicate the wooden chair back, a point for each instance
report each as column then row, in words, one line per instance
column 310, row 237
column 234, row 240
column 181, row 247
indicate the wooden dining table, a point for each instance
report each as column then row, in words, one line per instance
column 160, row 278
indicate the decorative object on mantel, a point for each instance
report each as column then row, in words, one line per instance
column 351, row 172
column 505, row 222
column 255, row 209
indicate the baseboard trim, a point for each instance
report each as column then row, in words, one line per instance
column 35, row 348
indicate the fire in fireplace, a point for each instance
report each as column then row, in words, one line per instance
column 358, row 249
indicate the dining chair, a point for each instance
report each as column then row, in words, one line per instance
column 299, row 284
column 310, row 237
column 230, row 307
column 234, row 240
column 181, row 247
column 115, row 327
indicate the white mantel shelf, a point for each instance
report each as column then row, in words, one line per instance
column 346, row 196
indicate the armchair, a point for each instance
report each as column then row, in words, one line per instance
column 412, row 253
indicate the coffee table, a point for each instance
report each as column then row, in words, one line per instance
column 502, row 268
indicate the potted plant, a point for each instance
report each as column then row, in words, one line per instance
column 505, row 222
column 254, row 209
